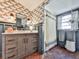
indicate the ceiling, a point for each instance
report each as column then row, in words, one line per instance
column 59, row 6
column 54, row 6
column 30, row 4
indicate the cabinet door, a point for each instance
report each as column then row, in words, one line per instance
column 32, row 43
column 27, row 46
column 19, row 38
column 35, row 43
column 23, row 45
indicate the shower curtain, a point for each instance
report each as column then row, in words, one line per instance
column 50, row 32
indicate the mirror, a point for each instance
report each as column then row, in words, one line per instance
column 25, row 23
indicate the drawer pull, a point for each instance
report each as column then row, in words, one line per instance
column 10, row 40
column 12, row 56
column 11, row 48
column 12, row 51
column 35, row 48
column 26, row 40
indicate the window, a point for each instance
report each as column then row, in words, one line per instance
column 68, row 21
column 65, row 23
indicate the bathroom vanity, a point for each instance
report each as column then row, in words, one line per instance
column 17, row 45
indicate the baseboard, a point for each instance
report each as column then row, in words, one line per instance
column 0, row 54
column 51, row 46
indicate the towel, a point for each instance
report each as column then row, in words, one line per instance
column 70, row 45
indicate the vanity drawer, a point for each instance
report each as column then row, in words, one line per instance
column 11, row 51
column 10, row 47
column 10, row 42
column 11, row 37
column 13, row 56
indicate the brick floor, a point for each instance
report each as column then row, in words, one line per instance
column 55, row 53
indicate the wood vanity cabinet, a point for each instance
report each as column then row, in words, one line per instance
column 17, row 46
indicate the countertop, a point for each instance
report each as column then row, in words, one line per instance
column 21, row 32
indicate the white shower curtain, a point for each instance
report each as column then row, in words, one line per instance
column 50, row 32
